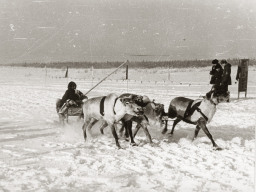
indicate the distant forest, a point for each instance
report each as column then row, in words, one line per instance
column 133, row 64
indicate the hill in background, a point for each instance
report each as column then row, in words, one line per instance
column 132, row 64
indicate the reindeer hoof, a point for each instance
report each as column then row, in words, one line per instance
column 102, row 132
column 133, row 144
column 164, row 131
column 217, row 148
column 126, row 138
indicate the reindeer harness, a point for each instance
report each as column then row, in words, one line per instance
column 102, row 101
column 191, row 109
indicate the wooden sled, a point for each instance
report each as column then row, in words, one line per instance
column 71, row 111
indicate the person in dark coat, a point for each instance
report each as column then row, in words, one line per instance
column 226, row 76
column 72, row 97
column 216, row 74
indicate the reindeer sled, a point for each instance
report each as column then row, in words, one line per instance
column 70, row 108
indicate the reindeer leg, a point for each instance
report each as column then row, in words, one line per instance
column 128, row 124
column 176, row 121
column 139, row 121
column 202, row 124
column 102, row 126
column 122, row 129
column 128, row 128
column 92, row 122
column 196, row 132
column 165, row 127
column 115, row 135
column 138, row 126
column 145, row 129
column 84, row 127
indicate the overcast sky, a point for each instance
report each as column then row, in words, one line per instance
column 117, row 30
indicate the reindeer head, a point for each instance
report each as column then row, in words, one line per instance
column 217, row 98
column 138, row 99
column 157, row 111
column 131, row 107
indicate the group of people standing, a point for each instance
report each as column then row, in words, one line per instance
column 220, row 76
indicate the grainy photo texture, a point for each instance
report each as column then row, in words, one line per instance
column 127, row 95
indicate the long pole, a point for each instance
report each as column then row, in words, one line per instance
column 238, row 80
column 105, row 78
column 127, row 78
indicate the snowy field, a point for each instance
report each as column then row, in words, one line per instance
column 36, row 154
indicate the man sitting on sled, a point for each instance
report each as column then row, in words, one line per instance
column 72, row 97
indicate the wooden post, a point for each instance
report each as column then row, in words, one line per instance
column 169, row 75
column 242, row 76
column 127, row 78
column 66, row 75
column 126, row 72
column 247, row 78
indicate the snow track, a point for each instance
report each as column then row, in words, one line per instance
column 36, row 154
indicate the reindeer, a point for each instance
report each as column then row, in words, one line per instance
column 198, row 112
column 153, row 113
column 110, row 109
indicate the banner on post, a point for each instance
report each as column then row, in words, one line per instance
column 242, row 76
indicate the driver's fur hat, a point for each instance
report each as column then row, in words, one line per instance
column 71, row 84
column 215, row 61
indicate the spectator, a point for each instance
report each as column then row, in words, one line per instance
column 226, row 78
column 216, row 74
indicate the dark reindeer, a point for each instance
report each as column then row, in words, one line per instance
column 198, row 112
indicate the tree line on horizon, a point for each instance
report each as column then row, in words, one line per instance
column 132, row 64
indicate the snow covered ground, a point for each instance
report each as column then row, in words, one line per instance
column 36, row 154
